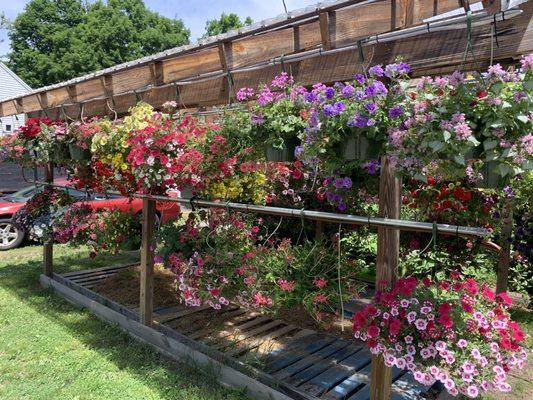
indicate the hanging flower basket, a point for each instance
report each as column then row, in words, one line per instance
column 359, row 147
column 284, row 154
column 78, row 153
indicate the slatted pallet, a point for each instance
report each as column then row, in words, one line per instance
column 311, row 364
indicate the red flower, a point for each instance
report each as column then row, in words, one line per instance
column 320, row 282
column 518, row 335
column 431, row 180
column 395, row 326
column 373, row 331
column 471, row 286
column 506, row 344
column 488, row 294
column 297, row 174
column 359, row 320
column 320, row 298
column 445, row 308
column 482, row 94
column 506, row 300
column 446, row 321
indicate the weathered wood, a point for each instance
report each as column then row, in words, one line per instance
column 147, row 262
column 386, row 265
column 332, row 26
column 504, row 258
column 48, row 248
column 324, row 30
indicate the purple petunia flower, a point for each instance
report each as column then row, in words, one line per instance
column 329, row 110
column 310, row 97
column 371, row 107
column 396, row 111
column 359, row 78
column 371, row 166
column 339, row 107
column 330, row 92
column 348, row 91
column 358, row 121
column 342, row 206
column 376, row 71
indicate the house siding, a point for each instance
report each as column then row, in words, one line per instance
column 11, row 85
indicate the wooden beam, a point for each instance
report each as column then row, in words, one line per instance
column 296, row 38
column 492, row 6
column 156, row 69
column 43, row 100
column 48, row 248
column 147, row 263
column 504, row 259
column 107, row 84
column 223, row 49
column 72, row 93
column 19, row 105
column 324, row 19
column 386, row 265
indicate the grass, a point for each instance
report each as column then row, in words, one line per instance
column 52, row 350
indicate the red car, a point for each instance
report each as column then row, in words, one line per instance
column 12, row 236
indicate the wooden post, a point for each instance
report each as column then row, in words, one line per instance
column 502, row 276
column 147, row 262
column 386, row 265
column 48, row 249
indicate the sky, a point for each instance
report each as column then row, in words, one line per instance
column 194, row 13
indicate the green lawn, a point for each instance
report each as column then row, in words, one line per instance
column 52, row 350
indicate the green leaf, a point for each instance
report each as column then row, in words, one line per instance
column 522, row 118
column 503, row 169
column 497, row 87
column 436, row 145
column 447, row 135
column 473, row 140
column 490, row 144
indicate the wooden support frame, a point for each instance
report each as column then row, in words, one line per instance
column 324, row 20
column 147, row 262
column 504, row 259
column 48, row 248
column 386, row 266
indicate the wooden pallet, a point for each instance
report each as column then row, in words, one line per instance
column 313, row 365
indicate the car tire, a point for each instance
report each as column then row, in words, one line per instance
column 11, row 236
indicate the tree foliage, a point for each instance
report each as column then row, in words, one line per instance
column 225, row 23
column 56, row 40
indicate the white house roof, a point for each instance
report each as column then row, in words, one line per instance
column 10, row 83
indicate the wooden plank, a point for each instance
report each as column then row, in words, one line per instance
column 319, row 367
column 310, row 360
column 95, row 275
column 48, row 248
column 147, row 263
column 324, row 30
column 72, row 274
column 407, row 388
column 364, row 392
column 386, row 264
column 162, row 319
column 262, row 339
column 350, row 385
column 232, row 340
column 337, row 373
column 219, row 335
column 233, row 320
column 295, row 351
